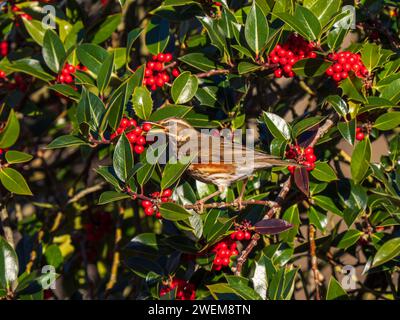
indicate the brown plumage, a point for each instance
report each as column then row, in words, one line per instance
column 220, row 161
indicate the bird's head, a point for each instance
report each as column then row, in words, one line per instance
column 178, row 129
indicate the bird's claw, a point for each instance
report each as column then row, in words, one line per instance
column 199, row 206
column 238, row 203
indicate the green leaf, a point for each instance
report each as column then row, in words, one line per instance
column 173, row 171
column 311, row 67
column 306, row 124
column 123, row 158
column 360, row 160
column 327, row 204
column 199, row 61
column 169, row 111
column 323, row 9
column 388, row 251
column 108, row 173
column 31, row 67
column 215, row 33
column 335, row 291
column 36, row 30
column 111, row 196
column 352, row 89
column 303, row 21
column 105, row 30
column 142, row 103
column 277, row 125
column 392, row 92
column 348, row 238
column 10, row 133
column 92, row 56
column 336, row 37
column 184, row 87
column 53, row 255
column 53, row 51
column 318, row 219
column 292, row 216
column 133, row 35
column 66, row 91
column 14, row 182
column 8, row 264
column 247, row 67
column 348, row 130
column 90, row 109
column 174, row 212
column 157, row 35
column 388, row 121
column 256, row 29
column 66, row 141
column 105, row 72
column 120, row 98
column 17, row 157
column 370, row 55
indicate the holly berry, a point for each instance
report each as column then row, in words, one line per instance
column 146, row 126
column 287, row 54
column 2, row 74
column 167, row 193
column 138, row 149
column 146, row 203
column 345, row 62
column 149, row 211
column 302, row 156
column 175, row 72
column 360, row 136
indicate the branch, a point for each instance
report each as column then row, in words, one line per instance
column 5, row 222
column 86, row 191
column 220, row 205
column 212, row 73
column 314, row 262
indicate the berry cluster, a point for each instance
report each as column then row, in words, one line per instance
column 360, row 135
column 306, row 157
column 3, row 48
column 155, row 74
column 67, row 73
column 345, row 62
column 184, row 289
column 223, row 250
column 150, row 208
column 287, row 54
column 135, row 133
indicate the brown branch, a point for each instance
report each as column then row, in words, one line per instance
column 220, row 205
column 314, row 262
column 169, row 66
column 212, row 73
column 245, row 253
column 322, row 131
column 5, row 222
column 85, row 192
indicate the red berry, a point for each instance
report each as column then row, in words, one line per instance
column 2, row 74
column 337, row 77
column 309, row 150
column 168, row 57
column 149, row 211
column 158, row 215
column 132, row 123
column 68, row 78
column 158, row 66
column 161, row 57
column 312, row 55
column 167, row 193
column 239, row 235
column 283, row 61
column 337, row 67
column 309, row 165
column 124, row 123
column 281, row 52
column 360, row 136
column 153, row 87
column 225, row 261
column 139, row 149
column 278, row 73
column 311, row 157
column 151, row 65
column 146, row 204
column 159, row 82
column 217, row 261
column 234, row 252
column 71, row 68
column 175, row 72
column 344, row 74
column 358, row 129
column 164, row 199
column 165, row 77
column 131, row 137
column 291, row 169
column 287, row 68
column 146, row 126
column 140, row 140
column 329, row 71
column 247, row 235
column 148, row 72
column 274, row 59
column 138, row 131
column 65, row 71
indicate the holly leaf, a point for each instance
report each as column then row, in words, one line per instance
column 14, row 182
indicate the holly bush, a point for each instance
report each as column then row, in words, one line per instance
column 84, row 83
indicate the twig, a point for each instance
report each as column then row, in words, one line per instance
column 85, row 192
column 212, row 73
column 322, row 131
column 245, row 253
column 314, row 262
column 5, row 222
column 220, row 205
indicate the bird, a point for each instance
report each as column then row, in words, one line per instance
column 219, row 161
